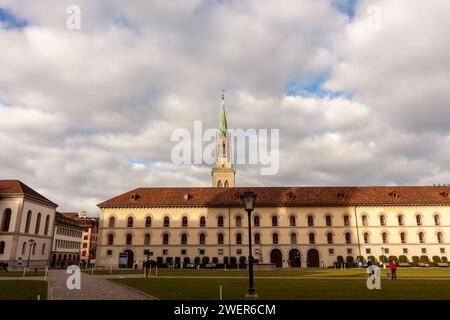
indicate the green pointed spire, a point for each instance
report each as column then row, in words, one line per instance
column 223, row 118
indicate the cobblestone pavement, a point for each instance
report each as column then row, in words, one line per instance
column 92, row 288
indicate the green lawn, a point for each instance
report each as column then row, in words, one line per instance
column 22, row 289
column 20, row 274
column 290, row 289
column 402, row 272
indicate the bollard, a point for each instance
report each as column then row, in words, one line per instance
column 110, row 270
column 38, row 296
column 220, row 292
column 46, row 273
column 92, row 271
column 156, row 272
column 24, row 272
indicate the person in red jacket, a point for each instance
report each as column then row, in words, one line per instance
column 393, row 267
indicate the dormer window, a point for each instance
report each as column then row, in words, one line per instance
column 393, row 195
column 187, row 196
column 290, row 195
column 341, row 195
column 444, row 194
column 134, row 196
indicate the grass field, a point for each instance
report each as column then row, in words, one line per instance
column 22, row 289
column 290, row 289
column 20, row 274
column 402, row 272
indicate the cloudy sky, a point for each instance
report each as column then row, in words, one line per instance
column 360, row 91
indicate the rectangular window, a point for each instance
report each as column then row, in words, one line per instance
column 238, row 251
column 109, row 252
column 424, row 250
column 183, row 252
column 368, row 251
column 331, row 251
column 220, row 252
column 349, row 250
column 442, row 250
column 386, row 250
column 165, row 252
column 405, row 251
column 201, row 251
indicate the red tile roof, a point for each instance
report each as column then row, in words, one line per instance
column 17, row 187
column 282, row 196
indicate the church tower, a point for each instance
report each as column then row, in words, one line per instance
column 223, row 172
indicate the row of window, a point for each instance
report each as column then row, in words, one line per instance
column 257, row 221
column 33, row 248
column 69, row 232
column 67, row 244
column 6, row 222
column 275, row 238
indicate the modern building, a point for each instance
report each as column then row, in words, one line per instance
column 90, row 234
column 67, row 240
column 26, row 229
column 291, row 226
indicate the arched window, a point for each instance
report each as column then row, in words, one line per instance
column 202, row 222
column 220, row 238
column 6, row 220
column 226, row 184
column 148, row 222
column 293, row 238
column 184, row 238
column 328, row 221
column 184, row 222
column 219, row 184
column 440, row 237
column 147, row 239
column 421, row 237
column 238, row 238
column 256, row 221
column 24, row 248
column 364, row 221
column 166, row 222
column 401, row 220
column 346, row 221
column 385, row 238
column 238, row 221
column 275, row 238
column 112, row 222
column 437, row 220
column 28, row 222
column 257, row 238
column 165, row 238
column 129, row 239
column 43, row 249
column 110, row 239
column 348, row 237
column 130, row 222
column 329, row 238
column 47, row 224
column 2, row 247
column 419, row 220
column 312, row 238
column 202, row 238
column 220, row 221
column 310, row 221
column 292, row 221
column 366, row 237
column 274, row 221
column 403, row 237
column 38, row 224
column 382, row 220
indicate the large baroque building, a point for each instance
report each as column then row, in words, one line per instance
column 291, row 226
column 26, row 225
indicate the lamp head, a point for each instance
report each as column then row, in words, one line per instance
column 249, row 200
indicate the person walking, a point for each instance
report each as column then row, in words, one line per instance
column 393, row 267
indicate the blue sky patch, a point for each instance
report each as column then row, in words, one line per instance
column 9, row 21
column 346, row 7
column 313, row 86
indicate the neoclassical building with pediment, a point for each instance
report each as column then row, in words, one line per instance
column 291, row 226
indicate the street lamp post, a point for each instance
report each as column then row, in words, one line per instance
column 30, row 243
column 249, row 201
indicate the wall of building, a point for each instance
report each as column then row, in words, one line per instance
column 230, row 248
